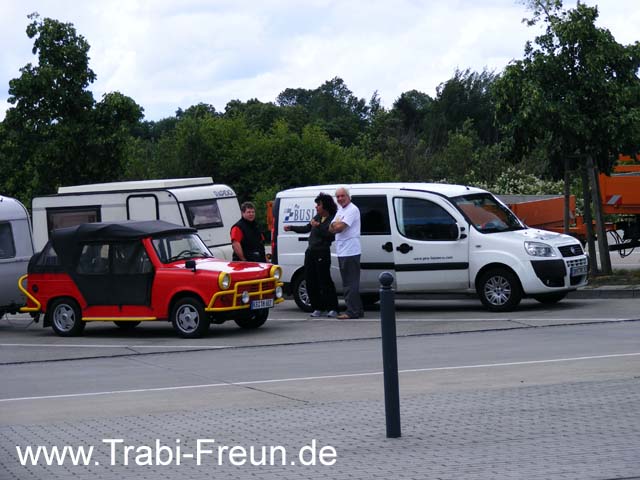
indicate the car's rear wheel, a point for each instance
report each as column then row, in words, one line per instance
column 189, row 318
column 300, row 293
column 550, row 298
column 66, row 317
column 126, row 325
column 256, row 320
column 499, row 290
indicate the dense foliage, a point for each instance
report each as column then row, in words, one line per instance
column 574, row 93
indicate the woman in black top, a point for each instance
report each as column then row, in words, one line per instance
column 317, row 258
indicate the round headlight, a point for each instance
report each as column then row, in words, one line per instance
column 278, row 292
column 245, row 297
column 276, row 272
column 224, row 280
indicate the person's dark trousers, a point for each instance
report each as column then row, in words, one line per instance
column 320, row 287
column 350, row 273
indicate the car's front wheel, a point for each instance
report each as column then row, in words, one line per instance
column 66, row 317
column 189, row 318
column 255, row 320
column 499, row 290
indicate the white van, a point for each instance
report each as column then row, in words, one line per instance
column 16, row 248
column 196, row 202
column 436, row 238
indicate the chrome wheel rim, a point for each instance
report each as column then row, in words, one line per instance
column 64, row 317
column 497, row 290
column 187, row 318
column 303, row 293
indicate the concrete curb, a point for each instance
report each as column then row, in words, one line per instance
column 607, row 291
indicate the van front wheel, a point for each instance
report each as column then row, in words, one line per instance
column 499, row 290
column 300, row 293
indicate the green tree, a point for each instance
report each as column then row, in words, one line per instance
column 576, row 92
column 55, row 133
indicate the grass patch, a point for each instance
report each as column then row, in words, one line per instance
column 618, row 277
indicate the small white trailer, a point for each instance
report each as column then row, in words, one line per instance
column 196, row 202
column 16, row 249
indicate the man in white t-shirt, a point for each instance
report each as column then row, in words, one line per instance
column 346, row 226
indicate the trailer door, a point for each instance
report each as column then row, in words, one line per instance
column 142, row 207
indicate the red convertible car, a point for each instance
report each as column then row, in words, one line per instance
column 130, row 272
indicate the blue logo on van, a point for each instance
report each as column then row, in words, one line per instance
column 296, row 214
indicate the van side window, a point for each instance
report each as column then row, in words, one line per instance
column 7, row 247
column 374, row 214
column 94, row 259
column 203, row 214
column 420, row 219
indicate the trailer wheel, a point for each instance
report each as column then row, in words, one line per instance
column 499, row 290
column 66, row 317
column 300, row 293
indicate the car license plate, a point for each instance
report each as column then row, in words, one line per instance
column 577, row 271
column 258, row 304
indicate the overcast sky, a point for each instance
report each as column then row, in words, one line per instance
column 170, row 54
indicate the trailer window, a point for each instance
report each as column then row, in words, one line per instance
column 7, row 247
column 70, row 217
column 203, row 214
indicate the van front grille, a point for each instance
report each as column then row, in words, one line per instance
column 571, row 250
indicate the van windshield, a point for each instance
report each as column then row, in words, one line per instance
column 486, row 214
column 180, row 246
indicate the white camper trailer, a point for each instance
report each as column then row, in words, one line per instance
column 196, row 202
column 16, row 248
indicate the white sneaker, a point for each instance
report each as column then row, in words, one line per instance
column 332, row 314
column 317, row 313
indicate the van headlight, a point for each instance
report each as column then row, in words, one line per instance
column 224, row 280
column 537, row 249
column 276, row 272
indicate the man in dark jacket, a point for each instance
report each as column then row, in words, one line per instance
column 246, row 240
column 317, row 258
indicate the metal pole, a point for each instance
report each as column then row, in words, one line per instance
column 389, row 355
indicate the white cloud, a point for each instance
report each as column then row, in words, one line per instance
column 168, row 55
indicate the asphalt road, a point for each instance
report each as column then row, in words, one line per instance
column 443, row 346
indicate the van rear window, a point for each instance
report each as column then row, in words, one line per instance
column 7, row 247
column 203, row 214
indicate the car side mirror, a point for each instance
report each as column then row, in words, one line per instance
column 190, row 264
column 462, row 234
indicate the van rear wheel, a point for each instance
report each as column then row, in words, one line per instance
column 300, row 293
column 499, row 290
column 66, row 317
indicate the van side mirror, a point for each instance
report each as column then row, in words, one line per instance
column 462, row 235
column 190, row 264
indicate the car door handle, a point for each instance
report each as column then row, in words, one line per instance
column 388, row 247
column 404, row 248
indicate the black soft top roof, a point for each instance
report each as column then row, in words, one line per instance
column 114, row 231
column 66, row 241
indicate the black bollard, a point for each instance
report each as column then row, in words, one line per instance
column 389, row 355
